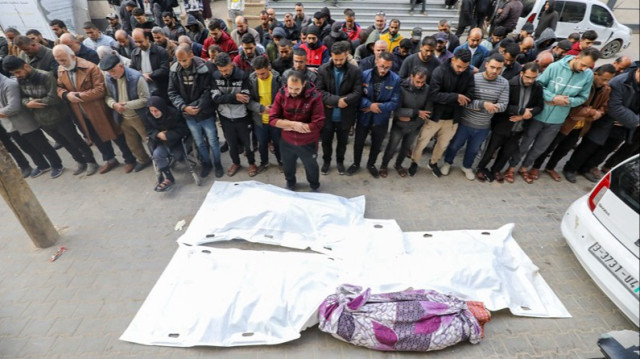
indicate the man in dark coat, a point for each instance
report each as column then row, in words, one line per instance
column 152, row 61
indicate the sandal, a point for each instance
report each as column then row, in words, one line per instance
column 164, row 185
column 383, row 172
column 508, row 176
column 232, row 170
column 401, row 171
column 525, row 175
column 534, row 173
column 555, row 175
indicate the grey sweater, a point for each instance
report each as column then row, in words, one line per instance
column 18, row 118
column 496, row 91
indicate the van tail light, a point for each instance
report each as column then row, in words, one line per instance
column 531, row 17
column 599, row 191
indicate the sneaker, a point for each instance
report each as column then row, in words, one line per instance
column 206, row 169
column 92, row 168
column 468, row 172
column 57, row 172
column 219, row 172
column 26, row 172
column 435, row 169
column 570, row 176
column 38, row 172
column 373, row 170
column 353, row 169
column 140, row 166
column 340, row 168
column 413, row 169
column 446, row 168
column 325, row 168
column 80, row 167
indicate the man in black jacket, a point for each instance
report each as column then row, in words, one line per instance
column 450, row 88
column 340, row 84
column 190, row 92
column 285, row 58
column 152, row 61
column 525, row 101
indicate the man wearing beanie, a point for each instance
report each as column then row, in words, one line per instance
column 317, row 53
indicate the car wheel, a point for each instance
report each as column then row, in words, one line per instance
column 611, row 49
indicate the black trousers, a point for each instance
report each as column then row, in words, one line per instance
column 589, row 154
column 559, row 148
column 403, row 135
column 377, row 136
column 625, row 151
column 43, row 148
column 106, row 148
column 307, row 154
column 236, row 132
column 328, row 131
column 15, row 152
column 507, row 146
column 65, row 133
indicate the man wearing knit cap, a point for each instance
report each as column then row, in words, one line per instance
column 317, row 53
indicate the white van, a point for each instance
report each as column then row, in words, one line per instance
column 580, row 16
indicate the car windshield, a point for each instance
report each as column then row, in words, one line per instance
column 625, row 183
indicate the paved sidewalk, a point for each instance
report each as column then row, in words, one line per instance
column 120, row 236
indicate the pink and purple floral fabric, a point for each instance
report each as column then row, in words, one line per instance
column 411, row 320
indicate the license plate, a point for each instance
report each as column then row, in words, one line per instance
column 622, row 275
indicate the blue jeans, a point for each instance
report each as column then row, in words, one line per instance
column 210, row 130
column 473, row 137
column 266, row 133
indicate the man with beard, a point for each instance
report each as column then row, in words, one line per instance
column 340, row 84
column 369, row 62
column 173, row 27
column 242, row 28
column 36, row 55
column 285, row 60
column 452, row 39
column 511, row 67
column 317, row 53
column 152, row 61
column 400, row 54
column 247, row 53
column 300, row 65
column 301, row 19
column 425, row 58
column 320, row 21
column 393, row 37
column 160, row 38
column 559, row 51
column 442, row 53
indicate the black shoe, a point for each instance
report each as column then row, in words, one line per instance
column 490, row 177
column 224, row 148
column 341, row 168
column 414, row 168
column 435, row 169
column 570, row 176
column 291, row 186
column 325, row 168
column 206, row 169
column 353, row 169
column 219, row 171
column 373, row 170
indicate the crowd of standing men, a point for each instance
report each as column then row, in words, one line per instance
column 147, row 82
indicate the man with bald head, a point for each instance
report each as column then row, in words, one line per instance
column 478, row 52
column 242, row 27
column 152, row 61
column 543, row 60
column 81, row 85
column 125, row 45
column 79, row 49
column 369, row 62
column 190, row 92
column 36, row 55
column 525, row 45
column 622, row 63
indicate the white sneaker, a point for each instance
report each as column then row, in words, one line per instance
column 445, row 169
column 468, row 172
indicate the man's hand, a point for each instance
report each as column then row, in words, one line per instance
column 191, row 110
column 2, row 115
column 404, row 119
column 561, row 100
column 162, row 135
column 527, row 114
column 342, row 103
column 74, row 97
column 147, row 77
column 463, row 100
column 425, row 115
column 516, row 118
column 267, row 110
column 491, row 107
column 35, row 104
column 119, row 107
column 365, row 110
column 375, row 108
column 242, row 98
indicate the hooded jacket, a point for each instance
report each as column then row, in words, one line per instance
column 389, row 98
column 201, row 34
column 226, row 45
column 329, row 40
column 306, row 107
column 316, row 56
column 559, row 79
column 200, row 93
column 547, row 20
column 171, row 121
column 224, row 90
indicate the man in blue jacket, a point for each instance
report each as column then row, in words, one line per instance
column 380, row 96
column 478, row 52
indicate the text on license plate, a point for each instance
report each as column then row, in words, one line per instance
column 623, row 275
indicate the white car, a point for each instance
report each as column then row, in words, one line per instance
column 580, row 16
column 602, row 229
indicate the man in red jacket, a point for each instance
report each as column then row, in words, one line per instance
column 299, row 112
column 217, row 36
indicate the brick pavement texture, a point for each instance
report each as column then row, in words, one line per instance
column 120, row 236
